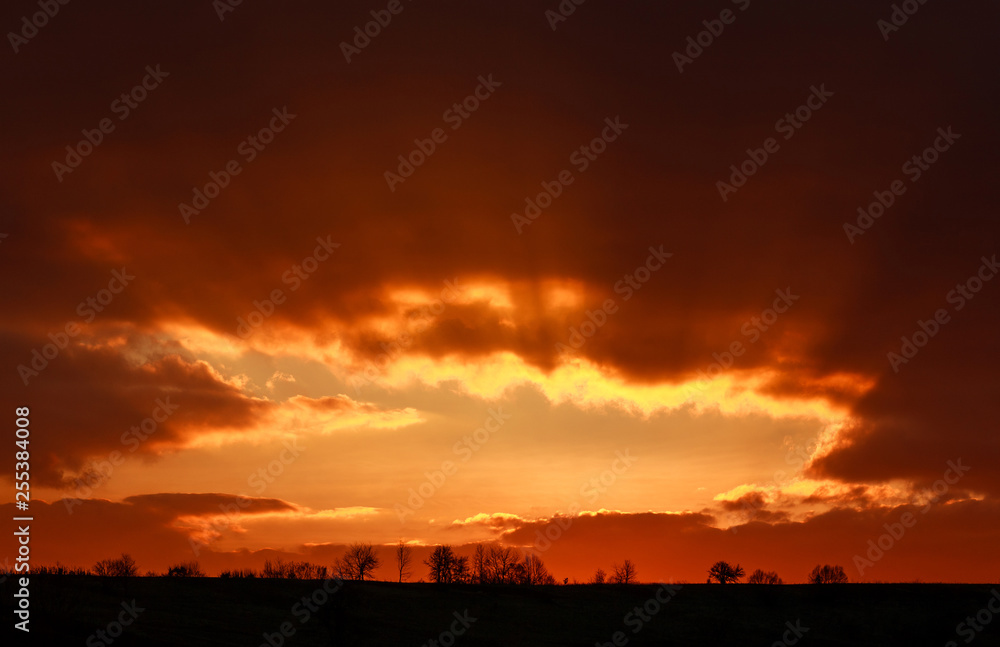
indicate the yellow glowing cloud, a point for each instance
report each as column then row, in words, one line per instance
column 585, row 384
column 208, row 528
column 801, row 498
column 575, row 380
column 301, row 416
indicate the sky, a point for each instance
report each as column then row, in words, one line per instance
column 660, row 282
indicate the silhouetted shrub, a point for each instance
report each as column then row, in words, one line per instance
column 185, row 569
column 764, row 577
column 58, row 569
column 359, row 562
column 238, row 573
column 123, row 566
column 827, row 574
column 624, row 573
column 279, row 569
column 724, row 572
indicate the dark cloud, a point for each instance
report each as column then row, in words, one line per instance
column 683, row 546
column 173, row 505
column 95, row 399
column 656, row 185
column 144, row 526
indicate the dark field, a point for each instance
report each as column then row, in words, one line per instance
column 68, row 610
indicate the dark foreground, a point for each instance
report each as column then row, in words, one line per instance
column 71, row 610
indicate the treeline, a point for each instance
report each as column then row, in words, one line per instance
column 726, row 573
column 489, row 564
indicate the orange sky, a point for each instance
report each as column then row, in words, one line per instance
column 314, row 354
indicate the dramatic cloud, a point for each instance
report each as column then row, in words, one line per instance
column 597, row 258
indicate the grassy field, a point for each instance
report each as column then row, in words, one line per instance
column 69, row 610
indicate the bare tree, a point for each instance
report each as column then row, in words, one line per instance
column 600, row 577
column 502, row 562
column 404, row 555
column 490, row 564
column 535, row 572
column 441, row 563
column 274, row 570
column 827, row 574
column 359, row 562
column 185, row 569
column 764, row 577
column 292, row 570
column 239, row 573
column 496, row 564
column 724, row 572
column 624, row 573
column 123, row 566
column 460, row 573
column 479, row 574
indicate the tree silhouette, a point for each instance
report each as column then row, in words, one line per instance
column 447, row 567
column 359, row 562
column 460, row 573
column 623, row 574
column 535, row 572
column 404, row 555
column 496, row 564
column 291, row 570
column 123, row 566
column 479, row 570
column 724, row 572
column 600, row 577
column 827, row 574
column 440, row 564
column 185, row 569
column 489, row 564
column 764, row 577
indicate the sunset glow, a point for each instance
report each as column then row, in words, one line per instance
column 569, row 328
